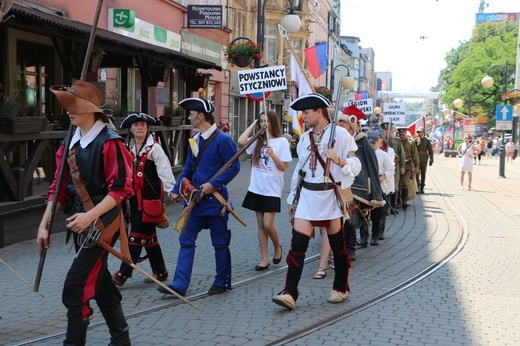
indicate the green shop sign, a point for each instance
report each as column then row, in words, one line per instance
column 201, row 48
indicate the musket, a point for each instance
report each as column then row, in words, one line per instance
column 129, row 262
column 185, row 214
column 332, row 139
column 66, row 148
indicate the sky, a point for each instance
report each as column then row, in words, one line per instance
column 410, row 38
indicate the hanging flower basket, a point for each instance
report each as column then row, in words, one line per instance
column 513, row 96
column 241, row 54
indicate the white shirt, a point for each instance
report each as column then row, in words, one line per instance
column 162, row 163
column 386, row 167
column 322, row 205
column 266, row 178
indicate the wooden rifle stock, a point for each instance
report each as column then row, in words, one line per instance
column 180, row 224
column 67, row 143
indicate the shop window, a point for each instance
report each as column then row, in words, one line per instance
column 34, row 66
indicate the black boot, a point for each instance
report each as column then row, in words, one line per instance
column 404, row 197
column 422, row 189
column 341, row 262
column 117, row 326
column 351, row 239
column 382, row 228
column 295, row 261
column 76, row 332
column 376, row 225
column 363, row 235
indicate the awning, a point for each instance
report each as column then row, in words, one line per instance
column 35, row 11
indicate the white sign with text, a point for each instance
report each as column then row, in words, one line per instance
column 394, row 112
column 262, row 79
column 364, row 105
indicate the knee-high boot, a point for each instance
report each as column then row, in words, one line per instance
column 351, row 239
column 341, row 261
column 76, row 331
column 404, row 198
column 382, row 228
column 295, row 261
column 117, row 326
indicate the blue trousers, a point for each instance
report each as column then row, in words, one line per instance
column 220, row 239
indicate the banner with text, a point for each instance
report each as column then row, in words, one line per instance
column 395, row 112
column 364, row 105
column 262, row 79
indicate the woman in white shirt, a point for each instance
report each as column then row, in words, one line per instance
column 271, row 155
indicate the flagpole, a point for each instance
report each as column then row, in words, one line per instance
column 285, row 36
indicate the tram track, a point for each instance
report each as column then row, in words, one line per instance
column 325, row 322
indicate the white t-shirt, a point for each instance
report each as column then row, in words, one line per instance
column 266, row 179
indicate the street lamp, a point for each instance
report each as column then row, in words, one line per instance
column 487, row 82
column 291, row 22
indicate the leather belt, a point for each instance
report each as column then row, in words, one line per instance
column 317, row 186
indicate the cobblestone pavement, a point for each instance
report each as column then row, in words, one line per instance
column 471, row 300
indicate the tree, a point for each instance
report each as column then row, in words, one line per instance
column 491, row 43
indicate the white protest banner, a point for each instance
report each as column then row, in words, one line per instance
column 262, row 79
column 364, row 105
column 395, row 112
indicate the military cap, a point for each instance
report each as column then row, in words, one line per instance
column 402, row 129
column 373, row 135
column 420, row 129
column 310, row 101
column 198, row 104
column 135, row 117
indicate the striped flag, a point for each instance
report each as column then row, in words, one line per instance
column 317, row 59
column 421, row 122
column 299, row 87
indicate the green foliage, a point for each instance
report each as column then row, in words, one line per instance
column 490, row 44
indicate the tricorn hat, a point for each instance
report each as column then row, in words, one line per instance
column 135, row 117
column 198, row 104
column 80, row 98
column 310, row 101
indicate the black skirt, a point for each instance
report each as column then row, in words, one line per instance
column 265, row 204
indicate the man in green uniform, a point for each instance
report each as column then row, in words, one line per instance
column 425, row 150
column 394, row 143
column 411, row 164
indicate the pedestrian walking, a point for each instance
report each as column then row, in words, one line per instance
column 466, row 152
column 210, row 149
column 425, row 151
column 271, row 155
column 100, row 163
column 308, row 190
column 510, row 150
column 152, row 175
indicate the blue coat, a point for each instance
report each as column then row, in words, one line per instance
column 214, row 157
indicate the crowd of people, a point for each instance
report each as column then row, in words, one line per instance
column 107, row 185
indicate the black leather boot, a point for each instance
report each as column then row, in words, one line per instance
column 382, row 228
column 404, row 197
column 76, row 332
column 117, row 326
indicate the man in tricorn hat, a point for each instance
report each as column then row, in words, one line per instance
column 210, row 149
column 104, row 166
column 411, row 164
column 395, row 144
column 314, row 189
column 425, row 150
